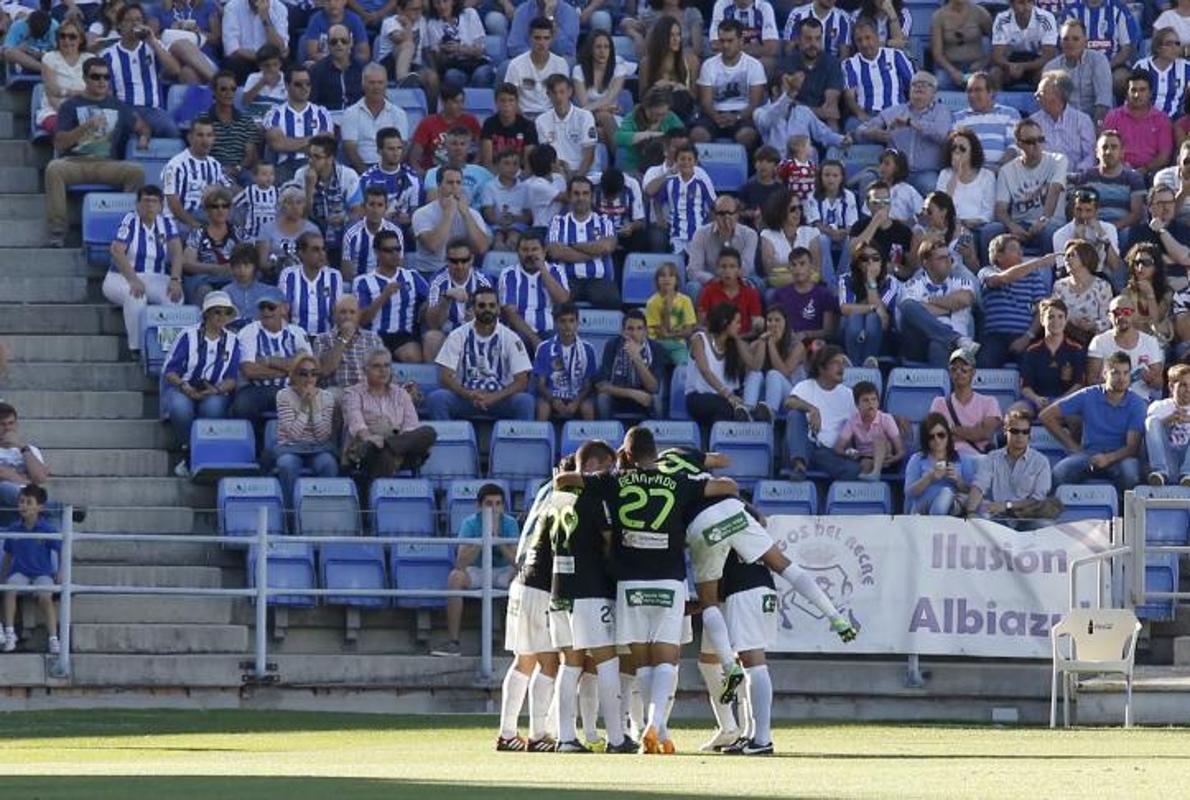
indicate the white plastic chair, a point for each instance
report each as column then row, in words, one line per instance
column 1101, row 640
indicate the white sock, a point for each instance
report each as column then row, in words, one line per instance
column 588, row 704
column 804, row 584
column 665, row 681
column 541, row 692
column 760, row 696
column 644, row 687
column 566, row 690
column 744, row 706
column 712, row 676
column 512, row 698
column 607, row 682
column 715, row 628
column 635, row 704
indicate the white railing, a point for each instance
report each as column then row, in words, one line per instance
column 1136, row 534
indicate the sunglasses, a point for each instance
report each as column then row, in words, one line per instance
column 1121, row 312
column 482, row 306
column 218, row 205
column 268, row 306
column 1027, row 142
column 939, row 435
column 1144, row 262
column 1020, row 431
column 99, row 76
column 463, row 260
column 306, row 373
column 725, row 213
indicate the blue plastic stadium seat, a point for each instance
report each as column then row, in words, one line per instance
column 326, row 507
column 626, row 102
column 854, row 375
column 858, row 497
column 290, row 566
column 785, row 497
column 625, row 48
column 454, row 455
column 154, row 158
column 521, row 451
column 402, row 507
column 1166, row 526
column 677, row 394
column 479, row 101
column 424, row 375
column 531, row 490
column 599, row 327
column 496, row 48
column 856, row 157
column 460, row 500
column 577, row 431
column 1087, row 501
column 1161, row 575
column 953, row 101
column 674, row 433
column 159, row 327
column 726, row 164
column 353, row 565
column 496, row 261
column 221, row 448
column 749, row 445
column 1044, row 442
column 911, row 390
column 1002, row 384
column 240, row 501
column 420, row 566
column 639, row 269
column 102, row 212
column 185, row 103
column 1023, row 101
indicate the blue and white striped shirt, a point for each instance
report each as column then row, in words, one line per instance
column 567, row 229
column 836, row 28
column 994, row 128
column 134, row 76
column 689, row 204
column 838, row 212
column 255, row 207
column 399, row 314
column 147, row 246
column 258, row 342
column 404, row 188
column 1169, row 85
column 310, row 121
column 527, row 293
column 1110, row 26
column 312, row 302
column 881, row 83
column 194, row 357
column 188, row 176
column 456, row 315
column 358, row 244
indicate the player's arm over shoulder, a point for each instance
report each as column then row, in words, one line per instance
column 720, row 487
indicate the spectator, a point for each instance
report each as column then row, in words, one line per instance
column 958, row 30
column 135, row 61
column 785, row 230
column 457, row 44
column 702, row 253
column 565, row 368
column 1144, row 352
column 265, row 88
column 688, row 195
column 918, row 128
column 187, row 176
column 331, row 190
column 1011, row 289
column 1165, row 229
column 341, row 350
column 237, row 137
column 465, row 574
column 28, row 40
column 970, row 184
column 269, row 351
column 1169, row 72
column 391, row 300
column 276, row 244
column 628, row 384
column 545, row 186
column 598, row 80
column 1167, row 432
column 893, row 21
column 1084, row 291
column 731, row 288
column 875, row 78
column 564, row 26
column 620, row 198
column 367, row 117
column 30, row 562
column 449, row 292
column 670, row 315
column 146, row 263
column 568, row 128
column 992, row 123
column 1177, row 177
column 669, row 62
column 186, row 29
column 311, row 287
column 782, row 118
column 1149, row 293
column 483, row 368
column 654, row 178
column 403, row 38
column 651, row 16
column 290, row 127
column 244, row 289
column 21, row 463
column 200, row 372
column 893, row 170
column 819, row 73
column 867, row 297
column 1146, row 132
column 890, row 237
column 1053, row 366
column 92, row 130
column 758, row 28
column 834, row 26
column 359, row 243
column 643, row 127
column 730, row 89
column 717, row 369
column 317, row 34
column 1120, row 188
column 935, row 308
column 777, row 360
column 505, row 202
column 1089, row 71
column 448, row 217
column 939, row 220
column 870, row 436
column 1014, row 481
column 529, row 289
column 61, row 74
column 763, row 184
column 973, row 418
column 400, row 182
column 939, row 476
column 101, row 31
column 436, row 139
column 305, row 427
column 379, row 417
column 837, row 210
column 337, row 78
column 1177, row 17
column 1029, row 189
column 811, row 308
column 818, row 409
column 1024, row 39
column 1112, row 31
column 582, row 242
column 1113, row 420
column 207, row 255
column 1067, row 130
column 1087, row 227
column 247, row 26
column 529, row 71
column 507, row 129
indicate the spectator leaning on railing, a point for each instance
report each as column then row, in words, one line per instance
column 20, row 462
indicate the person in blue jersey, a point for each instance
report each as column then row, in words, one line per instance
column 529, row 289
column 630, row 372
column 391, row 300
column 401, row 183
column 269, row 349
column 359, row 251
column 206, row 255
column 565, row 368
column 136, row 62
column 312, row 287
column 201, row 371
column 450, row 290
column 30, row 562
column 1169, row 71
column 875, row 78
column 290, row 126
column 331, row 189
column 189, row 174
column 689, row 197
column 146, row 263
column 582, row 241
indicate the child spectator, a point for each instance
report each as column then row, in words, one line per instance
column 266, row 88
column 688, row 197
column 906, row 201
column 30, row 562
column 565, row 367
column 870, row 435
column 620, row 198
column 730, row 288
column 1012, row 288
column 256, row 205
column 670, row 315
column 245, row 290
column 797, row 171
column 546, row 186
column 811, row 307
column 507, row 129
column 761, row 186
column 505, row 202
column 1055, row 365
column 837, row 211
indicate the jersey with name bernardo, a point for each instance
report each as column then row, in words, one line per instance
column 580, row 568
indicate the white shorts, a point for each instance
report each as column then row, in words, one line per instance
column 19, row 579
column 501, row 577
column 590, row 623
column 526, row 623
column 751, row 619
column 725, row 526
column 650, row 611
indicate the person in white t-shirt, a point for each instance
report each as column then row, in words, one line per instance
column 818, row 408
column 1148, row 357
column 731, row 86
column 570, row 129
column 1167, row 431
column 1024, row 40
column 529, row 71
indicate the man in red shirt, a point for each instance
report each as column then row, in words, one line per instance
column 429, row 140
column 729, row 288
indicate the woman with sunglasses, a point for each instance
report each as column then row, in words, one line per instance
column 784, row 229
column 1149, row 292
column 939, row 220
column 937, row 477
column 970, row 185
column 1085, row 293
column 305, row 428
column 206, row 259
column 867, row 297
column 61, row 74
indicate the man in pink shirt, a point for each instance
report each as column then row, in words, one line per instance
column 974, row 418
column 1146, row 132
column 870, row 436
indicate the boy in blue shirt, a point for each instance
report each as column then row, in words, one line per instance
column 30, row 562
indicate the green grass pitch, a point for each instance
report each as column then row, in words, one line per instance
column 172, row 755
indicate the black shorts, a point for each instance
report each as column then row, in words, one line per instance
column 717, row 131
column 395, row 341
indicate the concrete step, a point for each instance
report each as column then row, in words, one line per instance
column 78, row 348
column 88, row 434
column 142, row 492
column 153, row 575
column 109, row 463
column 42, row 290
column 20, row 178
column 81, row 407
column 86, row 318
column 47, row 262
column 75, row 377
column 18, row 152
column 15, row 101
column 91, row 669
column 8, row 124
column 180, row 553
column 167, row 639
column 142, row 519
column 27, row 233
column 121, row 608
column 15, row 206
column 24, row 669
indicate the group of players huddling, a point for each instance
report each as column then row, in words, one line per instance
column 597, row 614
